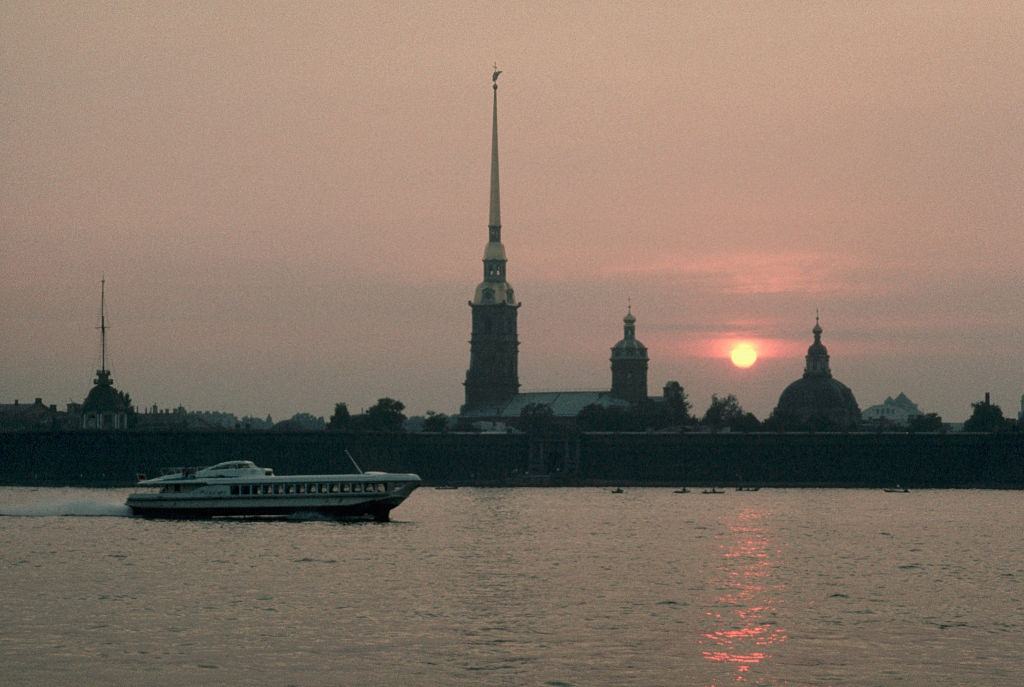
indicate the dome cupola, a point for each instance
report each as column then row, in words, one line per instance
column 817, row 354
column 629, row 346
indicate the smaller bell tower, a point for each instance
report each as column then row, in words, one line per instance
column 629, row 363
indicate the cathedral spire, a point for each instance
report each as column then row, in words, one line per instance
column 103, row 323
column 103, row 374
column 494, row 223
column 493, row 375
column 495, row 288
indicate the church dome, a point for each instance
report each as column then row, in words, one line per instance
column 104, row 398
column 629, row 346
column 817, row 400
column 821, row 401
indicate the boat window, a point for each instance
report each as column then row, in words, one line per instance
column 323, row 488
column 300, row 488
column 289, row 488
column 245, row 490
column 345, row 487
column 234, row 490
column 310, row 488
column 384, row 486
column 357, row 487
column 267, row 489
column 277, row 488
column 334, row 488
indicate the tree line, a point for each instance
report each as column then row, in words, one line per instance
column 673, row 412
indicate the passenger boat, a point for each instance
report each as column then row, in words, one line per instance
column 240, row 488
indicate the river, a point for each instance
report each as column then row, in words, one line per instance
column 551, row 587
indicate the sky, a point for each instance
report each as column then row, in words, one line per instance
column 289, row 201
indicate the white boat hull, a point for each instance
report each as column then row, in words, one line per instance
column 151, row 505
column 258, row 492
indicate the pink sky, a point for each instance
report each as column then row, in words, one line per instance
column 289, row 200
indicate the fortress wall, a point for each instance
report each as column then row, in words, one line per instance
column 114, row 458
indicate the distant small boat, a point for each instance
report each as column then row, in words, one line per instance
column 617, row 490
column 684, row 490
column 897, row 490
column 712, row 490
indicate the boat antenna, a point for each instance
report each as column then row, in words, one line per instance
column 358, row 469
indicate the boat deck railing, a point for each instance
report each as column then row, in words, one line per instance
column 186, row 472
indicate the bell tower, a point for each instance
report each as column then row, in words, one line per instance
column 493, row 374
column 629, row 363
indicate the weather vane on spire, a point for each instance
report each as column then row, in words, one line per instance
column 495, row 75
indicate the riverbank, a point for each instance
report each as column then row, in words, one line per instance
column 581, row 459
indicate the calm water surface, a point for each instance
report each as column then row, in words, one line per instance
column 522, row 587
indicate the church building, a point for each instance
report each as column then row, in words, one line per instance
column 492, row 380
column 105, row 407
column 817, row 400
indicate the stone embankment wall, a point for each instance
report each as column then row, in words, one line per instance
column 919, row 460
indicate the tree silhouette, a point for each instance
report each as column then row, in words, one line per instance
column 723, row 412
column 385, row 416
column 435, row 422
column 598, row 418
column 930, row 422
column 987, row 417
column 677, row 405
column 341, row 420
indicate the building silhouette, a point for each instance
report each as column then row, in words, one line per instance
column 493, row 375
column 892, row 411
column 105, row 407
column 629, row 363
column 817, row 400
column 492, row 380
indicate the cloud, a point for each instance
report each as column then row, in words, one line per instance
column 758, row 273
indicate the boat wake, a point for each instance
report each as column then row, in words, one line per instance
column 82, row 509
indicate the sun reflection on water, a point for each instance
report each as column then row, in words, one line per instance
column 743, row 621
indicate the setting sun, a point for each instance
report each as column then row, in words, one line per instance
column 743, row 355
